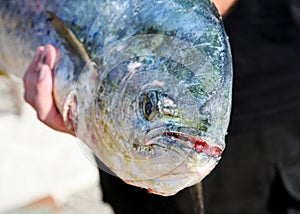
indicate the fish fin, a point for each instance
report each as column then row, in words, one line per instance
column 79, row 56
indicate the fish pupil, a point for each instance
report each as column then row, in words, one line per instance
column 148, row 108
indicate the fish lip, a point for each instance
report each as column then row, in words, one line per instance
column 197, row 144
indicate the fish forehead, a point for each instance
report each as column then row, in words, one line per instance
column 158, row 66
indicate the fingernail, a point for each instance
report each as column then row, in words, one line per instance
column 42, row 72
column 40, row 49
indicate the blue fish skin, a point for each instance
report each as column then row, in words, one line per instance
column 146, row 84
column 99, row 23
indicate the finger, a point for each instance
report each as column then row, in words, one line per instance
column 49, row 56
column 43, row 87
column 45, row 104
column 35, row 64
column 30, row 80
column 31, row 76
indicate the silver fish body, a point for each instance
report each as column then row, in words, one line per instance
column 145, row 84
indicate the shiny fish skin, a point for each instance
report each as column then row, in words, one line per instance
column 146, row 84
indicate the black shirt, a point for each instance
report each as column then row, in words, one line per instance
column 265, row 42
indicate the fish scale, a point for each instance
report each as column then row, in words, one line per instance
column 145, row 84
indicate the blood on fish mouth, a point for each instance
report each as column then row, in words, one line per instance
column 197, row 144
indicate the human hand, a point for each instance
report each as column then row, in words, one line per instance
column 224, row 6
column 38, row 83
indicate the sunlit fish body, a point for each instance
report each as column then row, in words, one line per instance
column 145, row 84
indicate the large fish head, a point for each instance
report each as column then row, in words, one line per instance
column 155, row 111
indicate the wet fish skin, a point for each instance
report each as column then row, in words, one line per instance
column 153, row 101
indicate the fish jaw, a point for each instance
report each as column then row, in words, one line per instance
column 170, row 184
column 166, row 166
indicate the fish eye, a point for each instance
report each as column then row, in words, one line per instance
column 149, row 106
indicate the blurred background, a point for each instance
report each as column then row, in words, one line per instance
column 42, row 171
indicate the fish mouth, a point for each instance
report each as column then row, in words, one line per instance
column 197, row 144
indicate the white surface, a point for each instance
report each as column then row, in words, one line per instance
column 36, row 161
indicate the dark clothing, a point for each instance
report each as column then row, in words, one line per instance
column 265, row 42
column 127, row 199
column 260, row 169
column 259, row 173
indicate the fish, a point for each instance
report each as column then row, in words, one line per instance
column 146, row 85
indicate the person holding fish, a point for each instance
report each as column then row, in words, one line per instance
column 260, row 169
